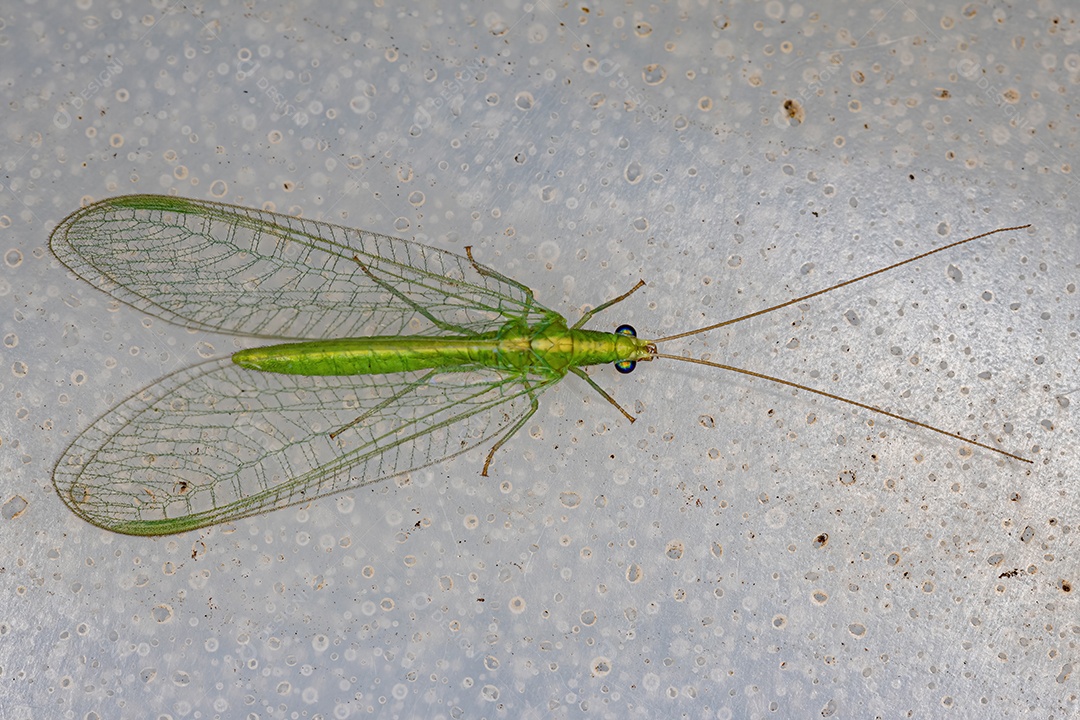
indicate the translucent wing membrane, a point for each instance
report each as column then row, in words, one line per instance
column 217, row 442
column 241, row 271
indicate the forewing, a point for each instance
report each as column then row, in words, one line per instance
column 237, row 270
column 217, row 442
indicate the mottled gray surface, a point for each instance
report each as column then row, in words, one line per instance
column 742, row 550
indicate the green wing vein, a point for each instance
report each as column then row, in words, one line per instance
column 241, row 271
column 218, row 442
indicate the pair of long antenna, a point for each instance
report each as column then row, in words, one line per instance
column 831, row 396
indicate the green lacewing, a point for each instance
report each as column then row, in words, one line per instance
column 388, row 356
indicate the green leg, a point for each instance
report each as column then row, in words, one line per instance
column 534, row 404
column 488, row 272
column 588, row 316
column 385, row 403
column 496, row 275
column 585, row 376
column 405, row 299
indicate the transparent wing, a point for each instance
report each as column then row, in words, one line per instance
column 236, row 270
column 216, row 442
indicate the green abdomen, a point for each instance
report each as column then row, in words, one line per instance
column 368, row 355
